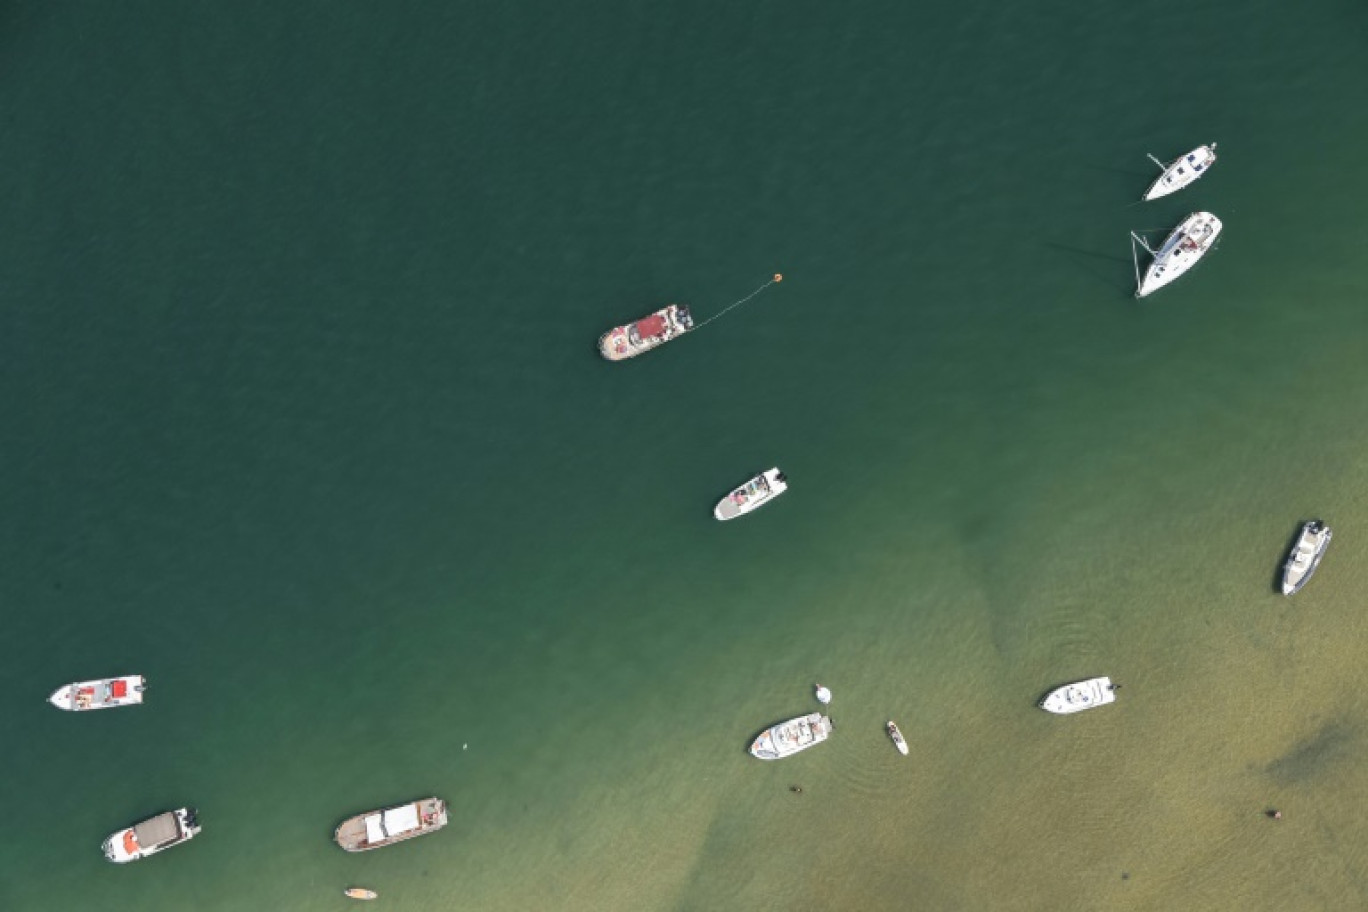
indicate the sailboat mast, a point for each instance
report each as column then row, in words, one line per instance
column 1135, row 261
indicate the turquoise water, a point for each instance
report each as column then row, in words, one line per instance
column 304, row 421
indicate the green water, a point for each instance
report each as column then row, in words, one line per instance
column 303, row 420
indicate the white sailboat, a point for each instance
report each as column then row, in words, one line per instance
column 1181, row 171
column 1181, row 250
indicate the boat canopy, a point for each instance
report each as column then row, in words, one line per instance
column 374, row 832
column 159, row 829
column 653, row 325
column 401, row 820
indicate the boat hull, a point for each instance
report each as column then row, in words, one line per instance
column 102, row 693
column 652, row 331
column 897, row 738
column 359, row 893
column 387, row 826
column 1181, row 250
column 790, row 737
column 1305, row 556
column 1079, row 696
column 751, row 496
column 1182, row 172
column 153, row 835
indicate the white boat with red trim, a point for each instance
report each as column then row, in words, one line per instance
column 152, row 836
column 752, row 495
column 632, row 339
column 1181, row 171
column 104, row 693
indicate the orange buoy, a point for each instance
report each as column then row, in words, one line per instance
column 778, row 277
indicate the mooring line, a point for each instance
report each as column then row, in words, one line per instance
column 778, row 277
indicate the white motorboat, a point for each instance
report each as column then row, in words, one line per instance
column 788, row 738
column 1306, row 555
column 152, row 836
column 632, row 339
column 1187, row 244
column 1079, row 695
column 752, row 495
column 1181, row 171
column 898, row 741
column 102, row 694
column 823, row 694
column 375, row 829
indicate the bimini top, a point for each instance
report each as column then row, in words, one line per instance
column 159, row 829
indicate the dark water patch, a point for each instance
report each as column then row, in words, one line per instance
column 1314, row 756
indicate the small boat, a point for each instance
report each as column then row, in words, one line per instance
column 1187, row 244
column 823, row 694
column 1079, row 695
column 897, row 737
column 752, row 495
column 102, row 694
column 632, row 339
column 359, row 893
column 1181, row 171
column 375, row 829
column 1306, row 555
column 788, row 738
column 152, row 835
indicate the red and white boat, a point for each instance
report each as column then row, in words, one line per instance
column 632, row 339
column 106, row 693
column 152, row 835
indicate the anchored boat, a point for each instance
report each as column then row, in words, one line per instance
column 152, row 836
column 1187, row 244
column 375, row 829
column 1181, row 171
column 898, row 741
column 359, row 893
column 788, row 738
column 1079, row 695
column 1306, row 555
column 632, row 339
column 102, row 694
column 752, row 495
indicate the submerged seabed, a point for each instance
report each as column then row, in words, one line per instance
column 305, row 423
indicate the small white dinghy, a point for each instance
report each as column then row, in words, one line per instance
column 1181, row 171
column 1189, row 242
column 898, row 741
column 1306, row 556
column 752, row 495
column 105, row 693
column 788, row 738
column 359, row 893
column 1079, row 695
column 823, row 694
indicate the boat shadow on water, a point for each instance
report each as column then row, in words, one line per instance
column 1120, row 280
